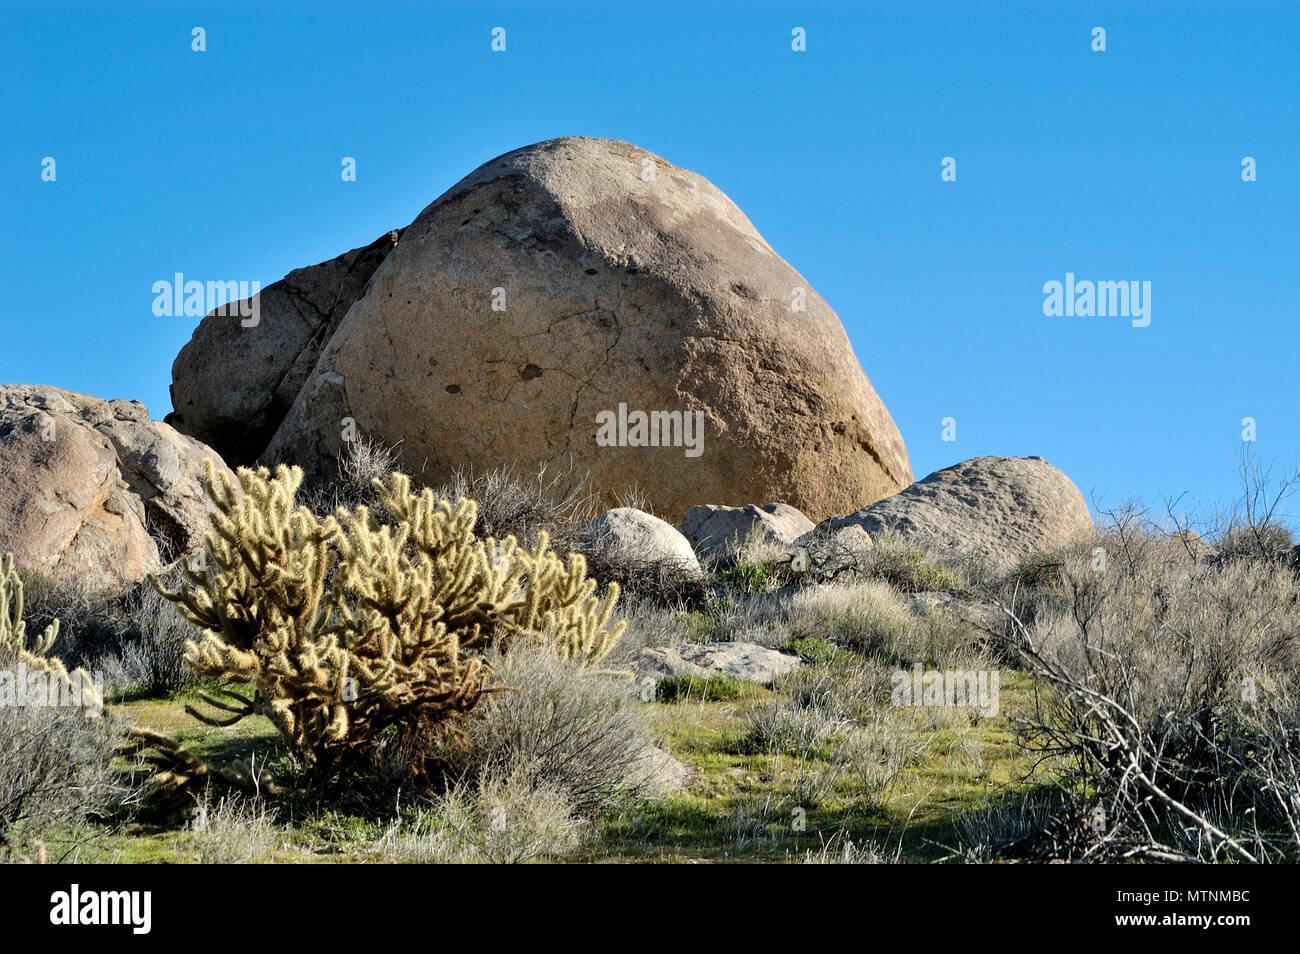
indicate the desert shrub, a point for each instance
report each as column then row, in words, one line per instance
column 55, row 771
column 757, row 546
column 732, row 618
column 560, row 727
column 843, row 850
column 803, row 732
column 231, row 830
column 648, row 625
column 153, row 646
column 688, row 686
column 835, row 727
column 502, row 821
column 92, row 624
column 867, row 617
column 1037, row 570
column 135, row 639
column 1267, row 541
column 1025, row 827
column 54, row 759
column 907, row 567
column 513, row 820
column 513, row 505
column 359, row 638
column 359, row 464
column 820, row 651
column 664, row 582
column 1171, row 696
column 747, row 577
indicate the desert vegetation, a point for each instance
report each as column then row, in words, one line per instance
column 370, row 672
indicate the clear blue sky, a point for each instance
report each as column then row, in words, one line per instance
column 1117, row 165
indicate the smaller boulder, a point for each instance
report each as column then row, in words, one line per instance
column 747, row 661
column 626, row 536
column 1000, row 509
column 714, row 530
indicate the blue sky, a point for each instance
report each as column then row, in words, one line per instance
column 1122, row 165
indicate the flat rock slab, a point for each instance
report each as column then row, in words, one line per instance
column 746, row 661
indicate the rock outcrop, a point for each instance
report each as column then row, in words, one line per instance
column 579, row 302
column 712, row 529
column 232, row 385
column 89, row 488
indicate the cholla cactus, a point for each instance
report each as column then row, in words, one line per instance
column 352, row 631
column 532, row 596
column 13, row 631
column 13, row 640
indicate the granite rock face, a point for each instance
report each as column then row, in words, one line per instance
column 232, row 385
column 89, row 488
column 536, row 311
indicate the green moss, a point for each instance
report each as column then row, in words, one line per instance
column 714, row 688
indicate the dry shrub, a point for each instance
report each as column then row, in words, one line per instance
column 514, row 504
column 560, row 727
column 1170, row 694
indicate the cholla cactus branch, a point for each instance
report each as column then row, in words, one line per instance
column 354, row 633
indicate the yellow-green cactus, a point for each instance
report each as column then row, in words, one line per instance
column 350, row 629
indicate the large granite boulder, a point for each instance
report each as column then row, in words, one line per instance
column 584, row 303
column 234, row 381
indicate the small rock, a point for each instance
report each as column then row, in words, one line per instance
column 713, row 530
column 658, row 773
column 628, row 535
column 747, row 661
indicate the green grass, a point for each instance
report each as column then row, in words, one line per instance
column 740, row 804
column 713, row 688
column 748, row 578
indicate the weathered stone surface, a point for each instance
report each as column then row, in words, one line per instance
column 83, row 481
column 747, row 661
column 712, row 529
column 231, row 385
column 658, row 773
column 1002, row 508
column 654, row 293
column 628, row 535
